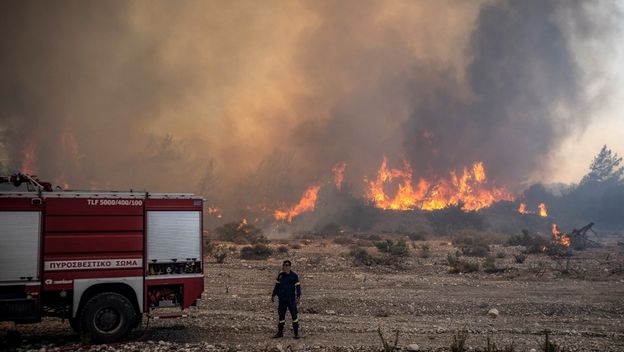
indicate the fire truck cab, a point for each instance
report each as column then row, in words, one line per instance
column 100, row 259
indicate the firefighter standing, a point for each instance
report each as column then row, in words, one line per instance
column 288, row 290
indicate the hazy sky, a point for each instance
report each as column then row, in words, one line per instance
column 570, row 161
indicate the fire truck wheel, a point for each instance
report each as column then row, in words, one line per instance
column 107, row 317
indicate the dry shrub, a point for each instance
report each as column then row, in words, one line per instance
column 459, row 341
column 364, row 243
column 295, row 246
column 220, row 256
column 208, row 246
column 491, row 347
column 459, row 265
column 549, row 346
column 343, row 240
column 473, row 244
column 369, row 237
column 425, row 252
column 256, row 252
column 361, row 257
column 282, row 249
column 520, row 258
column 386, row 346
column 489, row 265
column 398, row 248
column 241, row 233
column 417, row 236
column 315, row 260
column 532, row 243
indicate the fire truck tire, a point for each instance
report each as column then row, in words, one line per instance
column 107, row 317
column 75, row 324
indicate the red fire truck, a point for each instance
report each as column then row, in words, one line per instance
column 99, row 259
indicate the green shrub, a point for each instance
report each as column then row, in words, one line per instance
column 256, row 252
column 398, row 248
column 533, row 243
column 489, row 265
column 461, row 266
column 361, row 256
column 520, row 258
column 472, row 244
column 459, row 341
column 425, row 252
column 475, row 250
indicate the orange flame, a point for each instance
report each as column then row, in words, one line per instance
column 29, row 162
column 214, row 211
column 522, row 209
column 306, row 203
column 561, row 238
column 543, row 212
column 242, row 223
column 339, row 170
column 469, row 189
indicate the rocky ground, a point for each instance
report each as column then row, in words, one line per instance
column 580, row 301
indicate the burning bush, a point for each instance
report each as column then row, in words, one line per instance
column 461, row 266
column 398, row 248
column 256, row 252
column 241, row 233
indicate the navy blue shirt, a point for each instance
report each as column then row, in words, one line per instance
column 287, row 286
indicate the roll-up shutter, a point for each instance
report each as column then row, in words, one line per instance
column 173, row 235
column 19, row 248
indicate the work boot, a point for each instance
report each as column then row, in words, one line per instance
column 280, row 331
column 296, row 330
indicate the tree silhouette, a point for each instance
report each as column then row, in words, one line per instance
column 605, row 168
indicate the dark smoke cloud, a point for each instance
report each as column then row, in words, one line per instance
column 250, row 102
column 527, row 93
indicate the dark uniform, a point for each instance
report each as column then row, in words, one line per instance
column 288, row 290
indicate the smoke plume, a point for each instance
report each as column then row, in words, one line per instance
column 251, row 102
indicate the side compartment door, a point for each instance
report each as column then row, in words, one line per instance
column 19, row 252
column 173, row 236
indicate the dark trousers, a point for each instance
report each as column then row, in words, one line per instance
column 281, row 311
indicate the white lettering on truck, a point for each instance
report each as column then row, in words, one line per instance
column 115, row 202
column 95, row 264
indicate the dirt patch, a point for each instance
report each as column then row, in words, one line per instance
column 579, row 300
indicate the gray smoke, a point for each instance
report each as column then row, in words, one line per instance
column 251, row 102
